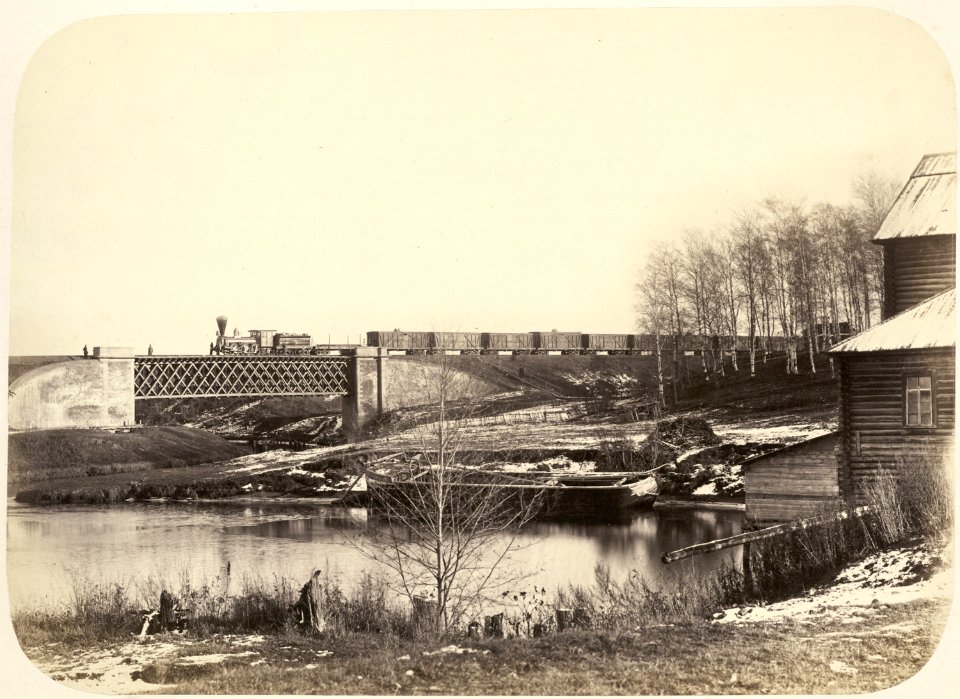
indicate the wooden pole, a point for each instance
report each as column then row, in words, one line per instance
column 767, row 533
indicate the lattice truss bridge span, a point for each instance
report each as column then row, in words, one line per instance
column 208, row 376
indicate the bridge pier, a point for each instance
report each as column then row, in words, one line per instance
column 363, row 403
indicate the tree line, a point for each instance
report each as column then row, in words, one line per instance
column 804, row 273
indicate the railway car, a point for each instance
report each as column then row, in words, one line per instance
column 553, row 341
column 409, row 342
column 645, row 342
column 468, row 343
column 612, row 343
column 518, row 343
column 292, row 343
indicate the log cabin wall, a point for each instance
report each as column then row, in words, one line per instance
column 874, row 436
column 792, row 483
column 914, row 269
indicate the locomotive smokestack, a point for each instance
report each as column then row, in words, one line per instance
column 222, row 325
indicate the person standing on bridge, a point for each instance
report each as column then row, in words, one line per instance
column 211, row 349
column 149, row 350
column 85, row 353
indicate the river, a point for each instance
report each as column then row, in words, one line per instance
column 49, row 549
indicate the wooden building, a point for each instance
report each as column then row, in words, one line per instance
column 794, row 482
column 897, row 379
column 897, row 387
column 919, row 236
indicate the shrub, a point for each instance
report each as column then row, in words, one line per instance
column 915, row 498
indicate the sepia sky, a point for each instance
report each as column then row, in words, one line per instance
column 335, row 173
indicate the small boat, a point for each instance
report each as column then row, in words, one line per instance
column 576, row 496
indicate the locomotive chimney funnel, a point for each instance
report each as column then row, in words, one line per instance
column 222, row 325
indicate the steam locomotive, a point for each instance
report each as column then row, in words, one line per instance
column 260, row 342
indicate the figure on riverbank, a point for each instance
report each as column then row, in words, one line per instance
column 85, row 352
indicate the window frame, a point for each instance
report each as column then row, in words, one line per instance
column 918, row 374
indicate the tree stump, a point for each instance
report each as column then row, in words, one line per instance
column 539, row 630
column 425, row 611
column 308, row 611
column 167, row 618
column 493, row 626
column 564, row 619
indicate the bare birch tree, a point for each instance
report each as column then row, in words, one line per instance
column 654, row 314
column 748, row 257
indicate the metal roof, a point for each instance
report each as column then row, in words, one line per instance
column 927, row 204
column 930, row 324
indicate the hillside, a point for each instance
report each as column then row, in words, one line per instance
column 49, row 454
column 771, row 390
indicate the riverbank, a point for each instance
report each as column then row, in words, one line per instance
column 873, row 627
column 703, row 471
column 68, row 458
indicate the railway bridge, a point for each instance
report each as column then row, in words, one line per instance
column 100, row 391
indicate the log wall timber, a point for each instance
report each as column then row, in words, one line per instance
column 792, row 483
column 916, row 269
column 874, row 436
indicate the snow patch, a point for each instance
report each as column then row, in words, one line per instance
column 887, row 577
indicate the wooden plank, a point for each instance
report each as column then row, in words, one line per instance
column 759, row 477
column 799, row 492
column 807, row 479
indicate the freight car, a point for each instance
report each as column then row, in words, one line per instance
column 539, row 342
column 518, row 343
column 614, row 344
column 553, row 341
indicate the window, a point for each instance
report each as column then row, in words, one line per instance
column 919, row 401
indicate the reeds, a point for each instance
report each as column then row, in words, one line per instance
column 252, row 604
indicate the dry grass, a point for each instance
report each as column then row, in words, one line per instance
column 685, row 658
column 51, row 454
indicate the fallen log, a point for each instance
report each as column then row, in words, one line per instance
column 767, row 533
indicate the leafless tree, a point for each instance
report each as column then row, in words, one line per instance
column 445, row 527
column 655, row 313
column 876, row 194
column 694, row 263
column 748, row 257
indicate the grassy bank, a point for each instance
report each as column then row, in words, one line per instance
column 368, row 651
column 46, row 455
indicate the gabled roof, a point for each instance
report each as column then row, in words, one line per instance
column 927, row 204
column 927, row 325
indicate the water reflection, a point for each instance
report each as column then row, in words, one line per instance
column 128, row 543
